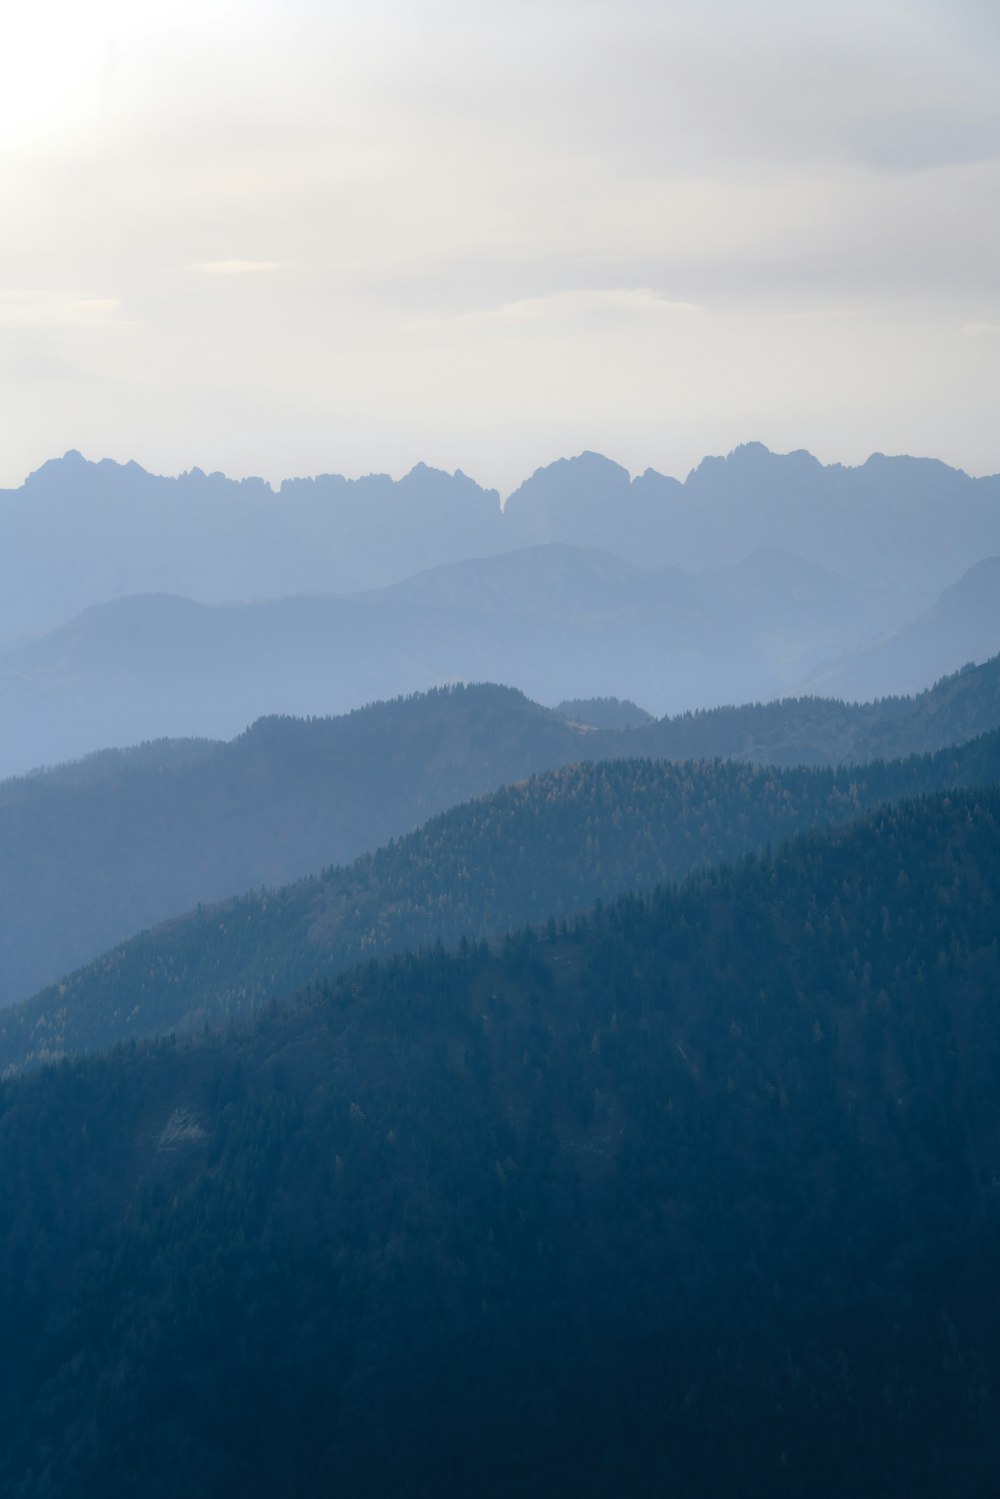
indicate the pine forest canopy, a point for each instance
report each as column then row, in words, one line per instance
column 696, row 1196
column 91, row 853
column 547, row 848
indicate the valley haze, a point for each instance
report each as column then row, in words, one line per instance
column 761, row 575
column 500, row 954
column 463, row 963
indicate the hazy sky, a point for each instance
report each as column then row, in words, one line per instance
column 283, row 236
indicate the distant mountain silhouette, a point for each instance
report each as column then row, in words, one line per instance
column 550, row 579
column 584, row 500
column 553, row 620
column 78, row 533
column 154, row 665
column 892, row 522
column 963, row 625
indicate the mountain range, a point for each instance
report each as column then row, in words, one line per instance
column 459, row 1095
column 541, row 850
column 962, row 625
column 892, row 522
column 78, row 533
column 554, row 621
column 91, row 853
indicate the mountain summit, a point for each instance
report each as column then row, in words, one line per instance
column 78, row 533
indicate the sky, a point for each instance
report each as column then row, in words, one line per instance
column 292, row 236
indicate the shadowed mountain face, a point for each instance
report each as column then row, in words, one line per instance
column 697, row 1198
column 91, row 853
column 79, row 533
column 552, row 620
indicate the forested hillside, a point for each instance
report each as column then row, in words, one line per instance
column 695, row 1198
column 91, row 854
column 550, row 847
column 500, row 964
column 824, row 731
column 604, row 712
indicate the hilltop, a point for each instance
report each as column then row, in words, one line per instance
column 546, row 848
column 88, row 859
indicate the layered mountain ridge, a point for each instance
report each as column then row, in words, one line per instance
column 542, row 850
column 667, row 1201
column 553, row 620
column 89, row 854
column 80, row 533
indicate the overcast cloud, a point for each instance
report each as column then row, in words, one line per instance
column 287, row 237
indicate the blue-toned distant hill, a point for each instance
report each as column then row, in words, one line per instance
column 552, row 620
column 78, row 533
column 963, row 625
column 91, row 853
column 892, row 522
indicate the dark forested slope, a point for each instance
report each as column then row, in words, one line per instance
column 698, row 1198
column 83, row 865
column 824, row 731
column 604, row 712
column 551, row 846
column 90, row 854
